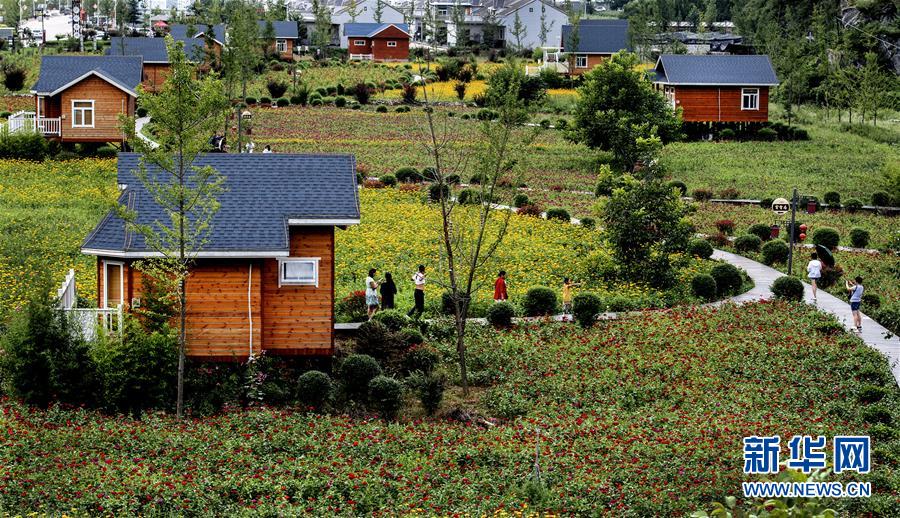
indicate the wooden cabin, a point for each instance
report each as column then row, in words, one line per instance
column 377, row 41
column 717, row 88
column 154, row 55
column 264, row 281
column 287, row 36
column 80, row 98
column 594, row 41
column 215, row 41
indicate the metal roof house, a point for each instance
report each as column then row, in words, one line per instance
column 287, row 35
column 155, row 56
column 717, row 88
column 596, row 40
column 376, row 41
column 80, row 98
column 264, row 281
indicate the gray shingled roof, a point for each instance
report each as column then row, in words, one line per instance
column 152, row 50
column 368, row 30
column 263, row 192
column 58, row 71
column 715, row 70
column 598, row 36
column 283, row 29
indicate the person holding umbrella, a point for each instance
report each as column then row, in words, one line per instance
column 814, row 272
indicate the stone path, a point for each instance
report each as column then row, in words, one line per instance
column 763, row 276
column 139, row 130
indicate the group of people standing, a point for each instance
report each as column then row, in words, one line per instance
column 380, row 294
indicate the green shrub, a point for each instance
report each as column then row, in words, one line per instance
column 106, row 152
column 381, row 109
column 313, row 389
column 760, row 230
column 871, row 301
column 678, row 184
column 588, row 223
column 478, row 179
column 788, row 288
column 766, row 203
column 402, row 109
column 888, row 315
column 702, row 194
column 430, row 389
column 408, row 175
column 767, row 134
column 521, row 200
column 853, row 205
column 501, row 314
column 375, row 339
column 728, row 278
column 827, row 237
column 774, row 252
column 356, row 372
column 23, row 145
column 747, row 243
column 700, row 248
column 859, row 237
column 386, row 396
column 411, row 336
column 539, row 301
column 562, row 124
column 726, row 134
column 832, row 198
column 881, row 199
column 301, row 98
column 281, row 102
column 559, row 214
column 265, row 100
column 6, row 114
column 276, row 88
column 468, row 197
column 585, row 308
column 388, row 180
column 869, row 393
column 438, row 191
column 315, row 101
column 421, row 358
column 250, row 101
column 392, row 319
column 141, row 112
column 485, row 114
column 877, row 413
column 340, row 101
column 704, row 286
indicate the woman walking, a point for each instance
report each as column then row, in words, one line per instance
column 371, row 293
column 388, row 290
column 814, row 272
column 855, row 288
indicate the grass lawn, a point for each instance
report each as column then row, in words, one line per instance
column 639, row 417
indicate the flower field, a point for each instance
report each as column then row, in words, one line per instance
column 641, row 417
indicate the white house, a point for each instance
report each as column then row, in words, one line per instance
column 342, row 14
column 530, row 13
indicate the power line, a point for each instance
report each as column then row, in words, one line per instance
column 869, row 35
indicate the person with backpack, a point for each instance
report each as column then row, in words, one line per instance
column 855, row 289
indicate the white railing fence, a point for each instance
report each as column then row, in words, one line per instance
column 67, row 296
column 27, row 121
column 90, row 322
column 362, row 57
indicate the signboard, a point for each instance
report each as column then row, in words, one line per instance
column 76, row 19
column 781, row 206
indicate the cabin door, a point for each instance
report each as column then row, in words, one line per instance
column 113, row 285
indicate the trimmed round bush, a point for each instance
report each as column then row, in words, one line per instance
column 539, row 301
column 775, row 251
column 430, row 390
column 766, row 203
column 388, row 179
column 500, row 314
column 747, row 243
column 265, row 100
column 871, row 301
column 141, row 112
column 704, row 286
column 438, row 191
column 678, row 184
column 832, row 198
column 700, row 248
column 386, row 396
column 853, row 205
column 392, row 319
column 788, row 288
column 881, row 199
column 559, row 214
column 315, row 101
column 827, row 237
column 356, row 372
column 408, row 175
column 760, row 230
column 477, row 179
column 521, row 200
column 468, row 197
column 420, row 358
column 281, row 102
column 381, row 109
column 340, row 101
column 859, row 237
column 585, row 308
column 250, row 100
column 702, row 194
column 728, row 278
column 726, row 134
column 450, row 179
column 298, row 100
column 411, row 336
column 767, row 134
column 374, row 339
column 588, row 223
column 313, row 389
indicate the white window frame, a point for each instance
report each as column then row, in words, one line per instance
column 670, row 95
column 314, row 281
column 392, row 44
column 83, row 110
column 442, row 11
column 121, row 266
column 281, row 45
column 578, row 60
column 359, row 43
column 750, row 93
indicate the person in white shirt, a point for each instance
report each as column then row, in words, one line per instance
column 372, row 301
column 855, row 288
column 418, row 279
column 814, row 272
column 267, row 149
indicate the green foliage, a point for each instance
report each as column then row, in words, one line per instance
column 618, row 111
column 408, row 175
column 14, row 73
column 420, row 358
column 678, row 184
column 767, row 134
column 859, row 237
column 375, row 339
column 585, row 308
column 539, row 301
column 788, row 288
column 529, row 90
column 520, row 200
column 468, row 197
column 747, row 243
column 24, row 145
column 774, row 252
column 760, row 230
column 704, row 286
column 728, row 278
column 388, row 179
column 313, row 389
column 281, row 102
column 392, row 319
column 437, row 191
column 700, row 248
column 411, row 336
column 276, row 87
column 340, row 101
column 827, row 237
column 645, row 225
column 430, row 390
column 881, row 199
column 832, row 198
column 381, row 108
column 702, row 194
column 588, row 223
column 386, row 396
column 356, row 372
column 500, row 314
column 559, row 214
column 853, row 205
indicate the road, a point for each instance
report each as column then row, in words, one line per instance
column 60, row 24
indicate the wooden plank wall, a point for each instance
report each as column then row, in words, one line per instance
column 155, row 75
column 109, row 102
column 703, row 103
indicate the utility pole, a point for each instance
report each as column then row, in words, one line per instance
column 792, row 230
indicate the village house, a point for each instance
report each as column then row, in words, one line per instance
column 264, row 280
column 596, row 40
column 286, row 38
column 155, row 56
column 529, row 13
column 79, row 99
column 344, row 12
column 377, row 41
column 717, row 88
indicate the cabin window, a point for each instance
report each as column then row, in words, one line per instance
column 750, row 99
column 113, row 284
column 82, row 114
column 392, row 44
column 531, row 9
column 670, row 95
column 442, row 11
column 298, row 271
column 281, row 45
column 580, row 61
column 359, row 43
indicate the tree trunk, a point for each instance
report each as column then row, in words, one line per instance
column 182, row 346
column 462, row 311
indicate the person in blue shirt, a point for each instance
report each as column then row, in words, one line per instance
column 855, row 289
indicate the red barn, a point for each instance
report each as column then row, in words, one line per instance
column 377, row 41
column 717, row 88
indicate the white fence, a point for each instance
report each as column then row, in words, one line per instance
column 89, row 321
column 68, row 299
column 362, row 57
column 28, row 121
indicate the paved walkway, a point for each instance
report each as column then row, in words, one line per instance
column 763, row 276
column 139, row 130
